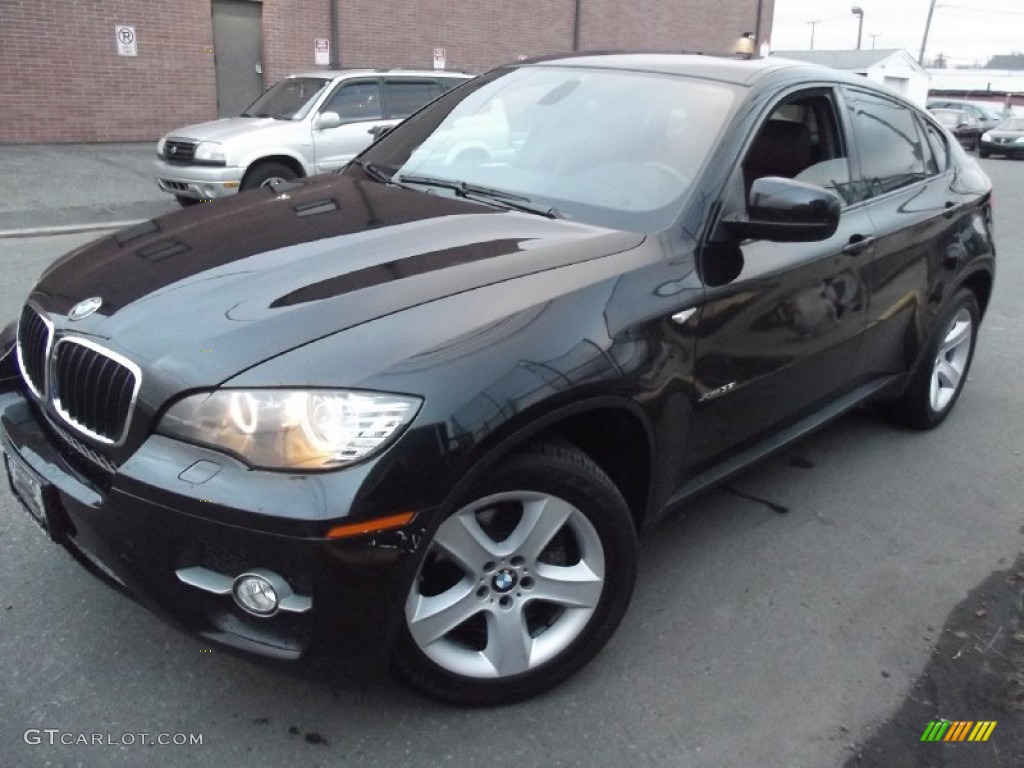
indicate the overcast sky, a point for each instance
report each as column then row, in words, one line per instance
column 964, row 31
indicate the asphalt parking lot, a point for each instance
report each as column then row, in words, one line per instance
column 778, row 621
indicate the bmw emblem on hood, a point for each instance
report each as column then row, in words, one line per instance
column 85, row 308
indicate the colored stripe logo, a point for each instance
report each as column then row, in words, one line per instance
column 958, row 730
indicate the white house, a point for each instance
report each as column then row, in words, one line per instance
column 894, row 67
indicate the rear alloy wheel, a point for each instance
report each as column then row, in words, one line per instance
column 265, row 174
column 522, row 585
column 938, row 382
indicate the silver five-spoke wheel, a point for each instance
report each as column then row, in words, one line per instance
column 522, row 584
column 952, row 359
column 940, row 377
column 509, row 582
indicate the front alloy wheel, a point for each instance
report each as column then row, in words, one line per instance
column 523, row 584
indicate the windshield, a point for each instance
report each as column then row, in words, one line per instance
column 289, row 99
column 609, row 147
column 990, row 113
column 948, row 118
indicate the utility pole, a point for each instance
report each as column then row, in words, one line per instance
column 812, row 23
column 873, row 36
column 927, row 26
column 859, row 12
column 757, row 29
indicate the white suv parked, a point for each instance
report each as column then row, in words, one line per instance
column 305, row 124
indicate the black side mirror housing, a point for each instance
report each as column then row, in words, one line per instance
column 786, row 211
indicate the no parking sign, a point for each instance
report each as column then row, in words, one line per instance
column 124, row 35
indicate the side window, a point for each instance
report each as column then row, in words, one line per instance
column 404, row 97
column 355, row 101
column 447, row 83
column 889, row 145
column 939, row 147
column 801, row 140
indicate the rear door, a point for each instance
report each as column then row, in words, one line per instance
column 906, row 181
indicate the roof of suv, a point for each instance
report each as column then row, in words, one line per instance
column 334, row 73
column 729, row 69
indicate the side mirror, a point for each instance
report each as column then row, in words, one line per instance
column 326, row 120
column 786, row 211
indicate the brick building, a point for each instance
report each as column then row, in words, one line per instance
column 127, row 70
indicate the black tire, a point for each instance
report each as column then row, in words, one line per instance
column 946, row 361
column 262, row 174
column 549, row 522
column 983, row 153
column 186, row 202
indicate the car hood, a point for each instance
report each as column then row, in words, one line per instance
column 203, row 294
column 996, row 133
column 228, row 128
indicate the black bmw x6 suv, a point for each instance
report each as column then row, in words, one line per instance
column 420, row 409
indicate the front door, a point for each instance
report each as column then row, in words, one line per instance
column 237, row 26
column 781, row 323
column 359, row 107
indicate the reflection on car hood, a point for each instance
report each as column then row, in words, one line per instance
column 227, row 128
column 211, row 291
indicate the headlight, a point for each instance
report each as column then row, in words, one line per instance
column 291, row 429
column 209, row 152
column 1019, row 140
column 986, row 136
column 160, row 147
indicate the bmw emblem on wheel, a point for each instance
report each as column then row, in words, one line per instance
column 85, row 308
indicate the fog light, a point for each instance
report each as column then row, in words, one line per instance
column 259, row 592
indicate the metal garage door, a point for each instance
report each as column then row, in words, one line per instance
column 237, row 26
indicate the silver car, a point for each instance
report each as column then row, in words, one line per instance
column 305, row 124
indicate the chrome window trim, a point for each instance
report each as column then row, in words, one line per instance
column 121, row 360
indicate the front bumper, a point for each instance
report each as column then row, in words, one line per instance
column 199, row 182
column 157, row 516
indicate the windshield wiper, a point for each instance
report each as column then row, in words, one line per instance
column 374, row 171
column 483, row 194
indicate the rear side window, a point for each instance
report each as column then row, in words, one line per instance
column 404, row 97
column 890, row 146
column 939, row 160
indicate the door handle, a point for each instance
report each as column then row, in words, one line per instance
column 858, row 244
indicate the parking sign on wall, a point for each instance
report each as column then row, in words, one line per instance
column 124, row 35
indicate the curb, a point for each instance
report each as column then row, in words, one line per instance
column 67, row 229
